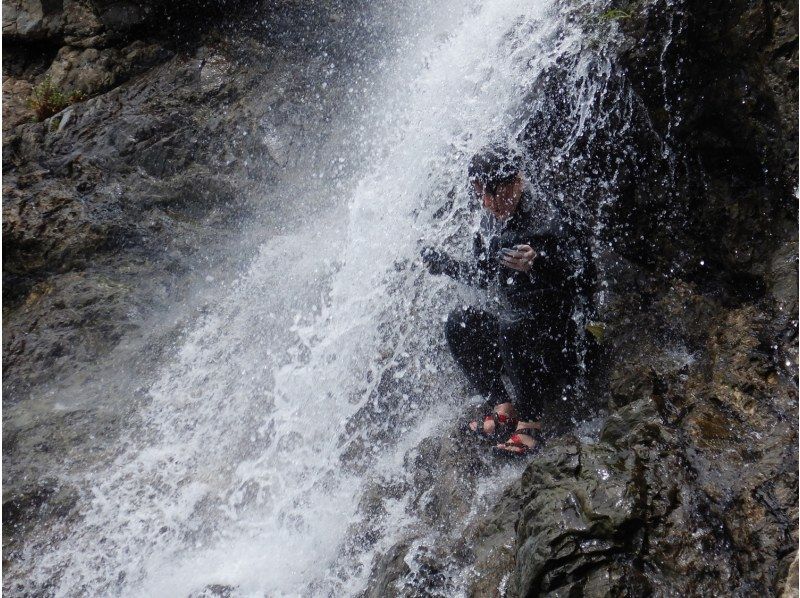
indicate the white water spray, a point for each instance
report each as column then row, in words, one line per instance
column 235, row 474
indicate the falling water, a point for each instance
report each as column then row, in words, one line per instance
column 321, row 365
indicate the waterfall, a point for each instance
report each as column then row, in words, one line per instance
column 315, row 371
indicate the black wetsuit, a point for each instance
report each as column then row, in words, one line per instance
column 524, row 330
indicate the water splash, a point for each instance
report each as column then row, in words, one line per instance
column 321, row 366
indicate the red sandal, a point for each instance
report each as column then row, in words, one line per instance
column 503, row 425
column 515, row 442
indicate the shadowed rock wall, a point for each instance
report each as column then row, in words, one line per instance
column 692, row 487
column 688, row 176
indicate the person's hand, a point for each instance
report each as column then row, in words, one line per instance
column 519, row 258
column 434, row 260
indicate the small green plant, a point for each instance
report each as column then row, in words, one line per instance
column 47, row 99
column 597, row 330
column 615, row 14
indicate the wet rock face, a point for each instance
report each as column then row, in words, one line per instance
column 691, row 486
column 107, row 202
column 690, row 491
column 110, row 205
column 101, row 189
column 32, row 19
column 80, row 21
column 719, row 84
column 91, row 46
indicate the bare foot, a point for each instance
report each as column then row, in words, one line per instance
column 503, row 409
column 520, row 441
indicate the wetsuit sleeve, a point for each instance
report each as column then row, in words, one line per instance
column 467, row 273
column 475, row 273
column 483, row 266
column 554, row 266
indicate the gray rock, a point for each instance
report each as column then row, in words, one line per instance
column 790, row 586
column 33, row 19
column 110, row 209
column 122, row 14
column 92, row 70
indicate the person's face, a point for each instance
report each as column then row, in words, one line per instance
column 503, row 202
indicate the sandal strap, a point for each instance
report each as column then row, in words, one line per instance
column 516, row 441
column 500, row 420
column 535, row 433
column 518, row 445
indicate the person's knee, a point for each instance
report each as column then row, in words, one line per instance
column 463, row 328
column 455, row 329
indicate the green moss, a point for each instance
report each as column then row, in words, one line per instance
column 597, row 330
column 47, row 99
